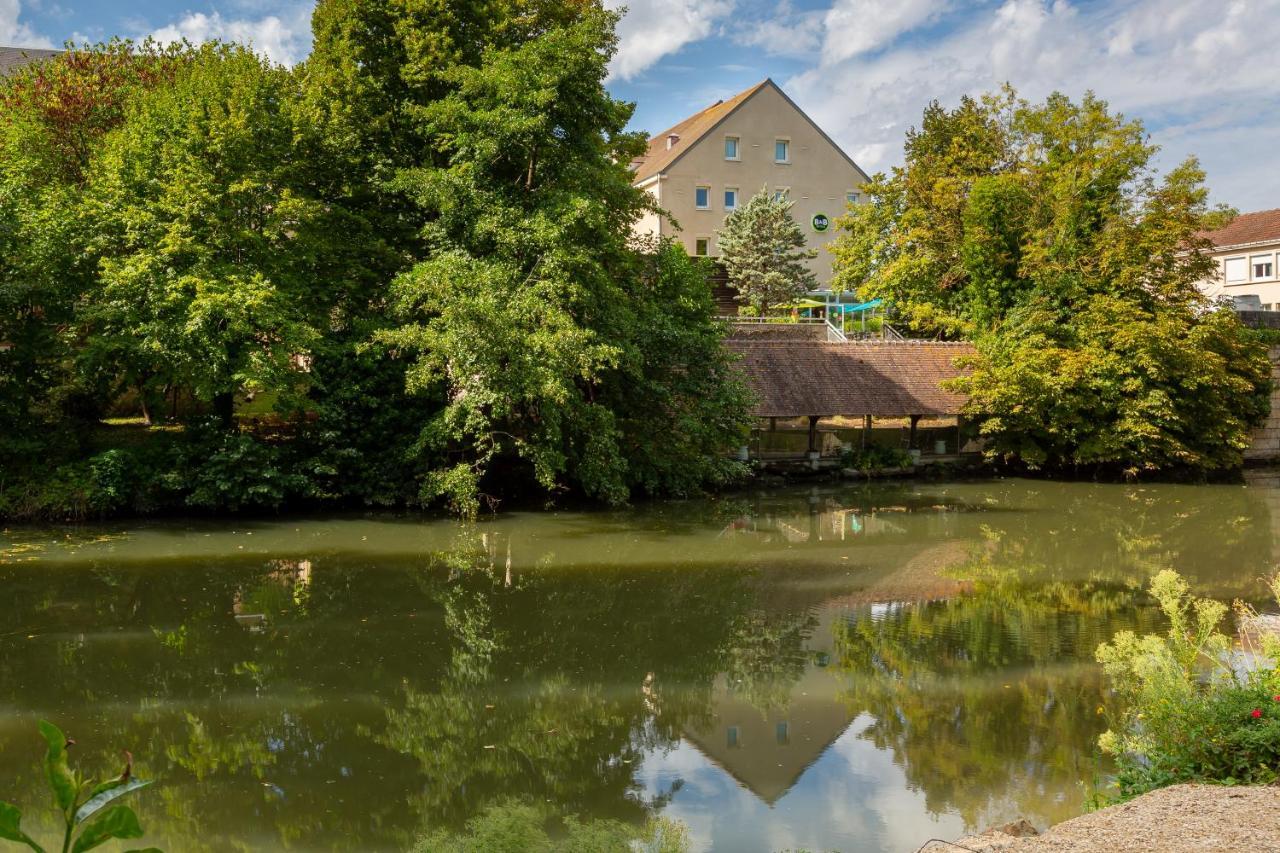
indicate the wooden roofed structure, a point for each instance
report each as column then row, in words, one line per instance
column 885, row 379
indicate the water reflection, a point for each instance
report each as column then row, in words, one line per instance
column 856, row 668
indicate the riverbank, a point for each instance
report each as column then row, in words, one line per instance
column 1177, row 819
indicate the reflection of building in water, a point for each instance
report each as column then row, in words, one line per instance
column 767, row 750
column 286, row 586
column 830, row 519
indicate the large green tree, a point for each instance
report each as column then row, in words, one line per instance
column 53, row 115
column 764, row 254
column 210, row 246
column 1044, row 233
column 528, row 313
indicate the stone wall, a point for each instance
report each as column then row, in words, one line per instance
column 1265, row 441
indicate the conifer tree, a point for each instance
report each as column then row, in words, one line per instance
column 763, row 250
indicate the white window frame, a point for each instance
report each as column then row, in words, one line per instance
column 736, row 195
column 852, row 197
column 781, row 194
column 1226, row 277
column 696, row 241
column 785, row 140
column 737, row 148
column 1268, row 259
column 706, row 206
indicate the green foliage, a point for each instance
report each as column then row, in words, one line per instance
column 1043, row 233
column 515, row 827
column 89, row 818
column 1192, row 709
column 864, row 458
column 763, row 252
column 417, row 246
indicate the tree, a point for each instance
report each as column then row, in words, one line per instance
column 208, row 243
column 1043, row 233
column 763, row 251
column 53, row 115
column 528, row 313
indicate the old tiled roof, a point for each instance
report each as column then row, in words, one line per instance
column 12, row 58
column 659, row 156
column 1259, row 227
column 887, row 379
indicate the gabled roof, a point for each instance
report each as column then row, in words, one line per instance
column 690, row 131
column 1259, row 227
column 12, row 58
column 888, row 379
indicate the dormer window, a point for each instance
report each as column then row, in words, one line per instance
column 672, row 139
column 732, row 148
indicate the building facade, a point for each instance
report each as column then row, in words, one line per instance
column 703, row 168
column 1247, row 253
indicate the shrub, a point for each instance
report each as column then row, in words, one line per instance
column 1192, row 709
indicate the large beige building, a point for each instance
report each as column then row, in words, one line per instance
column 715, row 160
column 1247, row 252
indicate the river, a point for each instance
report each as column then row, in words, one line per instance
column 857, row 667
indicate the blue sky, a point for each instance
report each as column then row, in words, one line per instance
column 1201, row 74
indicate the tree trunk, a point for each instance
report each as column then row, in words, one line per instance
column 224, row 408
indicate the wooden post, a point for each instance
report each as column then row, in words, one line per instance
column 773, row 424
column 911, row 441
column 866, row 431
column 813, row 433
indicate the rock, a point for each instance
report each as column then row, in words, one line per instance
column 1020, row 828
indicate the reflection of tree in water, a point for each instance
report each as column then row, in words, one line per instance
column 291, row 702
column 552, row 692
column 989, row 701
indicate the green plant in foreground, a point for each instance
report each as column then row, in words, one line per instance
column 85, row 803
column 1193, row 708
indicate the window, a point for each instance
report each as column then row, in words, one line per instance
column 730, row 198
column 1236, row 270
column 1262, row 266
column 700, row 246
column 731, row 148
column 781, row 193
column 702, row 198
column 782, row 151
column 852, row 197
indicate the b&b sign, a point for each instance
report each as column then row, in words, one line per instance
column 820, row 222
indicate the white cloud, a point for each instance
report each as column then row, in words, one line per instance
column 283, row 38
column 858, row 26
column 1200, row 73
column 15, row 33
column 790, row 33
column 651, row 29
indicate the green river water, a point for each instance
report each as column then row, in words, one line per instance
column 855, row 668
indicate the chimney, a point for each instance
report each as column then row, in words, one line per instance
column 672, row 139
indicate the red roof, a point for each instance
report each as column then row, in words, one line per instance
column 686, row 133
column 1259, row 227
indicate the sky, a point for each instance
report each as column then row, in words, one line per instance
column 1202, row 75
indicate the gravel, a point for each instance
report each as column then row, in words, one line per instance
column 1178, row 819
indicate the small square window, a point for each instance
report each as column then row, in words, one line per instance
column 852, row 197
column 1262, row 266
column 1235, row 270
column 730, row 198
column 782, row 151
column 731, row 148
column 702, row 198
column 700, row 247
column 781, row 193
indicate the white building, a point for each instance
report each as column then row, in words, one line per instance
column 1247, row 252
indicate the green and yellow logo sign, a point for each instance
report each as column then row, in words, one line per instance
column 820, row 222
